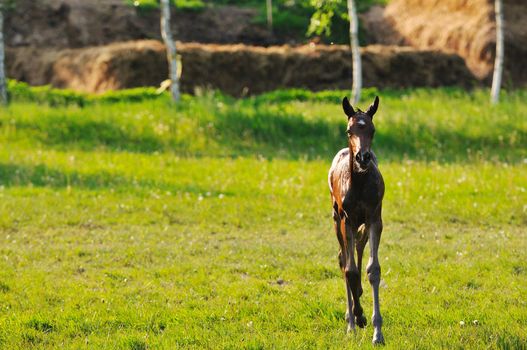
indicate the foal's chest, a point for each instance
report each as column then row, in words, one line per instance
column 362, row 196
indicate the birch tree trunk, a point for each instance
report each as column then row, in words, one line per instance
column 3, row 85
column 500, row 48
column 166, row 33
column 269, row 14
column 354, row 38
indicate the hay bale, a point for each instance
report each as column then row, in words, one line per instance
column 466, row 27
column 235, row 69
column 240, row 69
column 96, row 69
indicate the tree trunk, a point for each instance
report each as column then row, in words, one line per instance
column 269, row 14
column 166, row 33
column 500, row 48
column 354, row 38
column 3, row 85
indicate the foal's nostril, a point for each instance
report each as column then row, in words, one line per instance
column 367, row 157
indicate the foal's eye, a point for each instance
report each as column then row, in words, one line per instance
column 348, row 132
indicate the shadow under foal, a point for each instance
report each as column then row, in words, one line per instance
column 357, row 190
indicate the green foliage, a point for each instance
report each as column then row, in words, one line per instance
column 184, row 5
column 7, row 5
column 22, row 92
column 134, row 223
column 330, row 19
column 144, row 5
column 321, row 19
column 329, row 96
column 128, row 95
column 288, row 21
column 290, row 18
column 326, row 19
column 19, row 91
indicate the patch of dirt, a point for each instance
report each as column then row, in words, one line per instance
column 81, row 23
column 235, row 69
column 466, row 27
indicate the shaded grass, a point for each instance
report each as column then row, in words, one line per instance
column 23, row 92
column 445, row 125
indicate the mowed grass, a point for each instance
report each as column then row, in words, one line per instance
column 207, row 225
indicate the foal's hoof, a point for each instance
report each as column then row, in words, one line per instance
column 351, row 329
column 361, row 321
column 378, row 338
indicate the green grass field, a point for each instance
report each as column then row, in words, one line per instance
column 144, row 225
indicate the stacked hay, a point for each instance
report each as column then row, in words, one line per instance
column 235, row 69
column 95, row 69
column 466, row 27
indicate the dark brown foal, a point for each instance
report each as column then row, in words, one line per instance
column 357, row 190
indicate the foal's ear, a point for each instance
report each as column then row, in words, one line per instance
column 373, row 107
column 348, row 109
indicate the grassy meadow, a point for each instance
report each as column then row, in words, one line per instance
column 132, row 223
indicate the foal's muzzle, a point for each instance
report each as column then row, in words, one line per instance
column 363, row 158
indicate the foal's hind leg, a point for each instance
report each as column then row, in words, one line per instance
column 362, row 239
column 374, row 276
column 337, row 224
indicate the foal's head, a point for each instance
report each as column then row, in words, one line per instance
column 360, row 133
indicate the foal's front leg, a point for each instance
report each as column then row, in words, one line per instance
column 352, row 275
column 374, row 276
column 340, row 230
